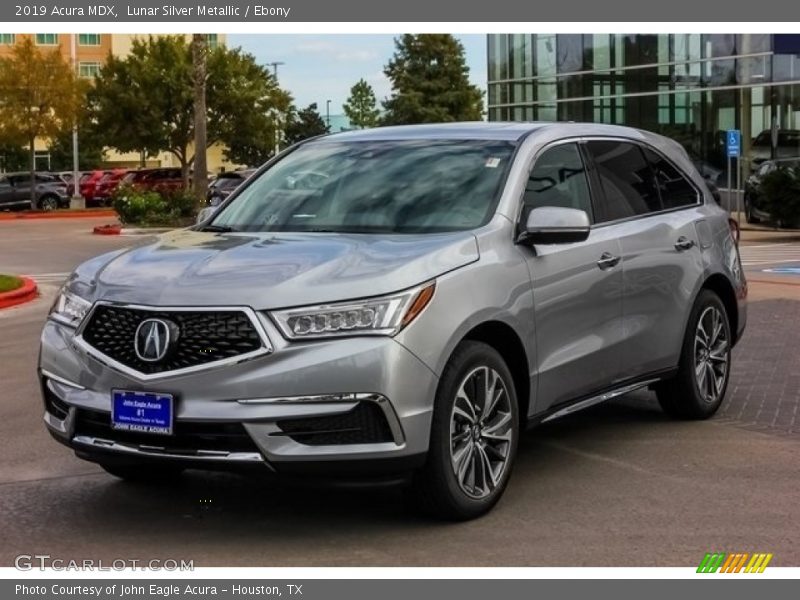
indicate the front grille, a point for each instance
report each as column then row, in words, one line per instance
column 364, row 424
column 187, row 436
column 204, row 336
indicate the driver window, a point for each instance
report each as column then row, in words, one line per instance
column 558, row 178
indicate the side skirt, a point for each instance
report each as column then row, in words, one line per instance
column 578, row 404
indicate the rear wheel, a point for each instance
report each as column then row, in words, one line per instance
column 143, row 473
column 748, row 212
column 474, row 436
column 698, row 389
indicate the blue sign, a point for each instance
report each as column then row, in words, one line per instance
column 784, row 270
column 733, row 140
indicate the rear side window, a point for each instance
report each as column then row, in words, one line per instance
column 676, row 191
column 629, row 188
column 558, row 178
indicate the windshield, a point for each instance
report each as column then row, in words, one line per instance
column 416, row 186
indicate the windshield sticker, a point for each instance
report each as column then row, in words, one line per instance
column 492, row 163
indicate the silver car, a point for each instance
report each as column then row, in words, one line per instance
column 409, row 311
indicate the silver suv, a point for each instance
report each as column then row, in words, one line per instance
column 403, row 300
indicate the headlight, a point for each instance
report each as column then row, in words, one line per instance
column 69, row 309
column 385, row 315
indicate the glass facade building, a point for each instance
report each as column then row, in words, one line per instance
column 690, row 87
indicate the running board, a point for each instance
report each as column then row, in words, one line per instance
column 568, row 410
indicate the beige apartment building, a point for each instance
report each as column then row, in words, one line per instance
column 91, row 50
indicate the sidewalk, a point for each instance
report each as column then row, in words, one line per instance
column 761, row 233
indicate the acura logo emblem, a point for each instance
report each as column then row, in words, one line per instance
column 154, row 338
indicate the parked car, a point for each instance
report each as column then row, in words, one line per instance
column 161, row 179
column 754, row 205
column 788, row 146
column 711, row 175
column 15, row 192
column 221, row 187
column 107, row 184
column 446, row 287
column 67, row 177
column 88, row 184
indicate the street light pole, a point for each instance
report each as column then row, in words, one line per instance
column 77, row 200
column 275, row 64
column 328, row 114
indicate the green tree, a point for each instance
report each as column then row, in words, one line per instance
column 39, row 98
column 361, row 107
column 304, row 124
column 13, row 157
column 199, row 75
column 430, row 82
column 91, row 146
column 146, row 100
column 249, row 120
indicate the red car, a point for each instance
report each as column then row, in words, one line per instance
column 105, row 186
column 161, row 179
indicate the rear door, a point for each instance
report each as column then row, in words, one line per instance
column 651, row 208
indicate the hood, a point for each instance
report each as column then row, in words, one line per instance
column 268, row 270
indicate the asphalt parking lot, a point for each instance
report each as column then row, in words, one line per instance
column 617, row 485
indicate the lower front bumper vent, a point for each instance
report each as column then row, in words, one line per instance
column 364, row 424
column 188, row 437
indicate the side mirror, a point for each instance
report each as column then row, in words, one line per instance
column 205, row 214
column 555, row 225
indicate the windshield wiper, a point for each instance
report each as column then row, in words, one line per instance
column 218, row 228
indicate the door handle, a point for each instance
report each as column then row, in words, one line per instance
column 683, row 244
column 608, row 261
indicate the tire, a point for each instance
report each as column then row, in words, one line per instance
column 48, row 202
column 748, row 213
column 707, row 349
column 461, row 436
column 143, row 473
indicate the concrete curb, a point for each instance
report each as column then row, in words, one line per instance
column 115, row 229
column 58, row 214
column 26, row 293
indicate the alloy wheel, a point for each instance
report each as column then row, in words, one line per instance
column 481, row 432
column 711, row 354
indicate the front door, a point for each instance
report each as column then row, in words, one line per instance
column 577, row 288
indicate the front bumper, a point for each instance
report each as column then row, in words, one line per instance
column 256, row 412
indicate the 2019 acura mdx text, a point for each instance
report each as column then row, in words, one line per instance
column 402, row 300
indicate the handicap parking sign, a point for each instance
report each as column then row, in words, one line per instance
column 734, row 143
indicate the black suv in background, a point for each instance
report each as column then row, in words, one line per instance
column 15, row 191
column 224, row 184
column 754, row 205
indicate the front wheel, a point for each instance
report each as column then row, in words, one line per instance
column 48, row 203
column 698, row 389
column 474, row 436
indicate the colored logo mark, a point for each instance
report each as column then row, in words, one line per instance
column 737, row 562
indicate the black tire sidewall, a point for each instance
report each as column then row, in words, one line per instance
column 705, row 300
column 467, row 356
column 48, row 200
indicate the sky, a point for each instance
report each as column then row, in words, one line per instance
column 324, row 67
